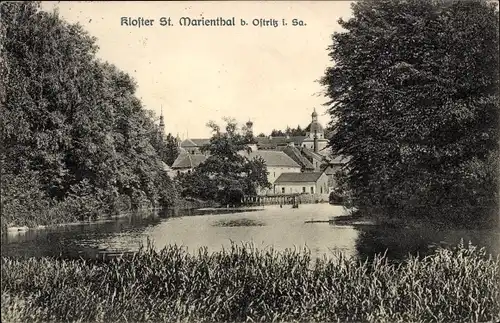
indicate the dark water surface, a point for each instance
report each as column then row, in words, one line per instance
column 272, row 226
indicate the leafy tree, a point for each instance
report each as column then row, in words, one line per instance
column 289, row 132
column 414, row 100
column 71, row 124
column 277, row 133
column 226, row 169
column 172, row 150
column 167, row 147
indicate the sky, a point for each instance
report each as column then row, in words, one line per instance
column 196, row 74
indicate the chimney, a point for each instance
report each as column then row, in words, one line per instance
column 315, row 141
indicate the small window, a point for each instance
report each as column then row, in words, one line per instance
column 303, row 189
column 283, row 190
column 321, row 190
column 312, row 190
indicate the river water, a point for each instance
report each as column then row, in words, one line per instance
column 271, row 226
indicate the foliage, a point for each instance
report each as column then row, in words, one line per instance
column 249, row 284
column 227, row 170
column 166, row 146
column 289, row 132
column 172, row 149
column 414, row 101
column 70, row 123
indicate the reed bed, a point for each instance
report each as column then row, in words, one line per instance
column 248, row 284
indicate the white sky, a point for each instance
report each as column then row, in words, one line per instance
column 198, row 74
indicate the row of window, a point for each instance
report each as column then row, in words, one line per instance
column 304, row 190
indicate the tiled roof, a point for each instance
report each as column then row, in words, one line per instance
column 298, row 178
column 201, row 142
column 194, row 142
column 274, row 158
column 311, row 154
column 295, row 154
column 315, row 126
column 340, row 159
column 278, row 141
column 330, row 170
column 186, row 160
column 164, row 166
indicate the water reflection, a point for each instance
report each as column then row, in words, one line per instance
column 398, row 243
column 280, row 228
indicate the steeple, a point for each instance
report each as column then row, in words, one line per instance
column 249, row 125
column 178, row 140
column 162, row 123
column 314, row 116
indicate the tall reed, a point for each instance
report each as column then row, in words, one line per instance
column 244, row 283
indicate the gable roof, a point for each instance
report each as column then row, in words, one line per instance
column 340, row 159
column 298, row 178
column 269, row 142
column 164, row 166
column 311, row 154
column 186, row 160
column 194, row 142
column 296, row 155
column 274, row 158
column 330, row 170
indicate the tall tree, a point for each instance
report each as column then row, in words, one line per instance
column 227, row 168
column 171, row 149
column 289, row 132
column 71, row 125
column 414, row 100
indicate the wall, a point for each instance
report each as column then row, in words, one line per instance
column 313, row 198
column 318, row 187
column 322, row 184
column 275, row 172
column 310, row 144
column 294, row 188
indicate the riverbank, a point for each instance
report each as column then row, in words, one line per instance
column 367, row 218
column 60, row 218
column 246, row 284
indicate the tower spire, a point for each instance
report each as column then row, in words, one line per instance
column 162, row 123
column 314, row 115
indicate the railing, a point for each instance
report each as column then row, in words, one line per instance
column 284, row 199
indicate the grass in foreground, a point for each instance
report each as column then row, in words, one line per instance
column 246, row 284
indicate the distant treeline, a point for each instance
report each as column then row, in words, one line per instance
column 76, row 141
column 292, row 132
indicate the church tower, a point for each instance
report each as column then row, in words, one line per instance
column 252, row 145
column 162, row 124
column 314, row 116
column 315, row 135
column 249, row 125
